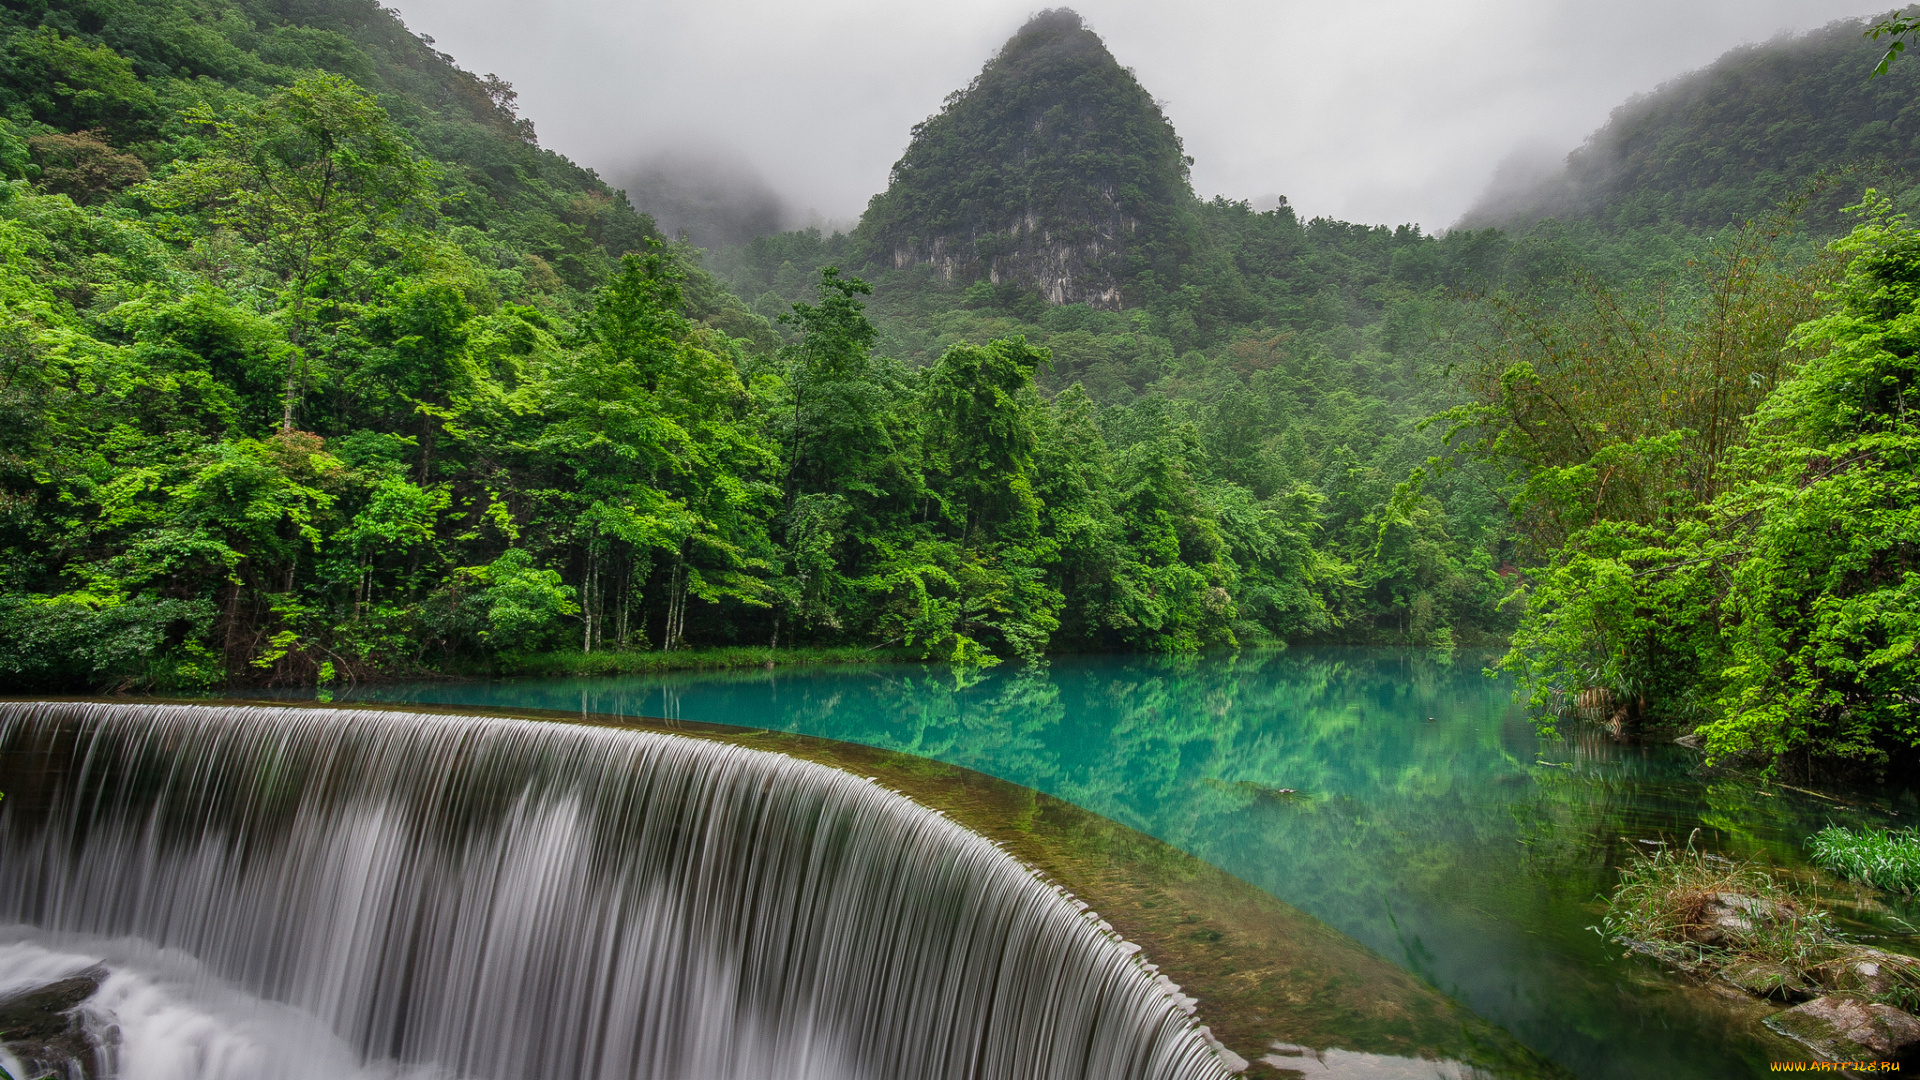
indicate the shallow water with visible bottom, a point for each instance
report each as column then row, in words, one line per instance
column 1399, row 795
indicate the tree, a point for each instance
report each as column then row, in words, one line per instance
column 825, row 371
column 980, row 437
column 980, row 410
column 316, row 176
column 1822, row 540
column 1612, row 409
column 83, row 166
column 644, row 420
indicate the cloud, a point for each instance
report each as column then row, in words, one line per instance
column 1370, row 113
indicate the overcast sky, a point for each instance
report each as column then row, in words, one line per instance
column 1372, row 113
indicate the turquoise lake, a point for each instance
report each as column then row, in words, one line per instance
column 1401, row 796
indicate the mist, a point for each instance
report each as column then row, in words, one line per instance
column 1355, row 112
column 713, row 197
column 1531, row 179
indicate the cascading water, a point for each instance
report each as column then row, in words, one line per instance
column 459, row 896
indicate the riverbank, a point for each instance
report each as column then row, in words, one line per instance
column 573, row 662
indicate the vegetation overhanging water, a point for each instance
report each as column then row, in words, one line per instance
column 1400, row 795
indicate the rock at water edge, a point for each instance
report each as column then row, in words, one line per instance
column 1847, row 1029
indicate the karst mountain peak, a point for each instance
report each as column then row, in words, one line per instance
column 1054, row 169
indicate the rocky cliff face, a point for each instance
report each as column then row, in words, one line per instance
column 1054, row 168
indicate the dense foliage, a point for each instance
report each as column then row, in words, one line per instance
column 300, row 389
column 1754, row 579
column 313, row 366
column 233, row 392
column 1303, row 369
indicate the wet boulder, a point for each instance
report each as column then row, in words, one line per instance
column 1840, row 1028
column 43, row 1028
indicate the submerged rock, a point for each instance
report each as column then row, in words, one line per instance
column 1765, row 979
column 1847, row 1029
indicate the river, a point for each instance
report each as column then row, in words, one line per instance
column 1401, row 796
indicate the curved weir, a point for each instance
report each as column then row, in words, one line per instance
column 505, row 898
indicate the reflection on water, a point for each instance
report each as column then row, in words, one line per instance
column 1404, row 799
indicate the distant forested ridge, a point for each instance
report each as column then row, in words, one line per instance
column 1729, row 142
column 314, row 366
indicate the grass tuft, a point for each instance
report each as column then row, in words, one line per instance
column 1885, row 859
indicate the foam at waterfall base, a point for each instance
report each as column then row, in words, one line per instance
column 372, row 893
column 161, row 1016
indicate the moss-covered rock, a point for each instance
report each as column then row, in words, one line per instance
column 1838, row 1028
column 1765, row 979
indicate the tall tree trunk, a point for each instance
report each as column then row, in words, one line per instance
column 673, row 603
column 586, row 606
column 296, row 359
column 626, row 602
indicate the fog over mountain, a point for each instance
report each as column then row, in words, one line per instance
column 712, row 196
column 1368, row 114
column 1759, row 125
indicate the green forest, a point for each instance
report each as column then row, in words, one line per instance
column 316, row 368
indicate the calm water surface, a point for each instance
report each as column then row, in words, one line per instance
column 1402, row 797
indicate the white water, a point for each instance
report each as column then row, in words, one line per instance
column 163, row 1017
column 303, row 892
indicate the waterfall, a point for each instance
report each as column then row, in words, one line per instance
column 466, row 896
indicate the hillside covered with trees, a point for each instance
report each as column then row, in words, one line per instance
column 1525, row 427
column 317, row 367
column 1731, row 141
column 320, row 368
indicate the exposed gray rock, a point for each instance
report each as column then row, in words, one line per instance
column 1847, row 1029
column 42, row 1027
